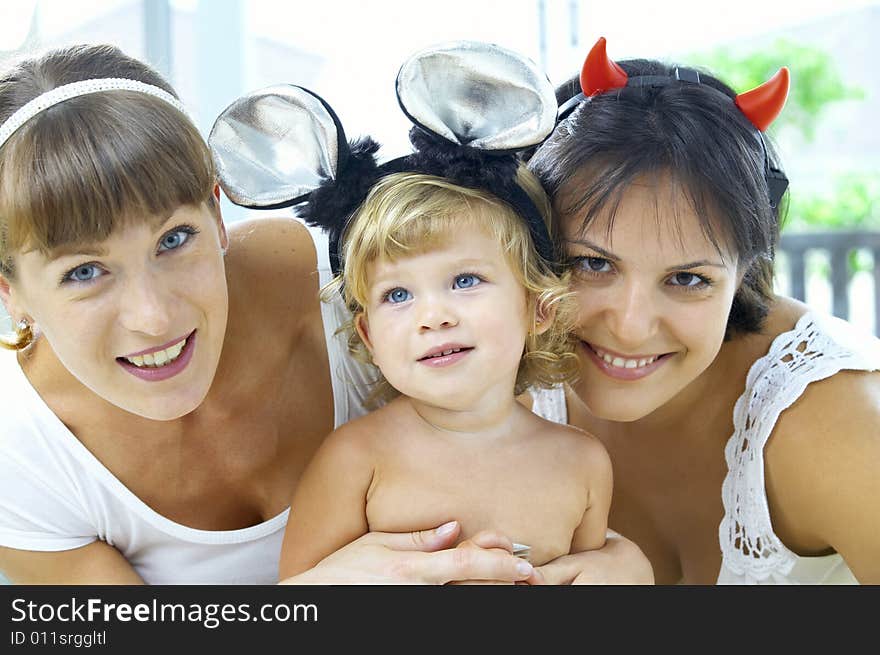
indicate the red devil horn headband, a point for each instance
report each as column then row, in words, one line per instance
column 761, row 105
column 601, row 73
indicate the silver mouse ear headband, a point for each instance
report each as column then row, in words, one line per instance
column 67, row 91
column 473, row 106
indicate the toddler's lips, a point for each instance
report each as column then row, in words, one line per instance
column 445, row 355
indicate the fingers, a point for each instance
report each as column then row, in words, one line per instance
column 424, row 540
column 560, row 571
column 485, row 556
column 489, row 539
column 619, row 561
column 536, row 578
column 472, row 562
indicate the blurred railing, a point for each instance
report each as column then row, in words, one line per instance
column 838, row 245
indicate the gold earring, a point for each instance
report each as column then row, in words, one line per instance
column 24, row 332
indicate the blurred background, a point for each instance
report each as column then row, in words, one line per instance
column 349, row 52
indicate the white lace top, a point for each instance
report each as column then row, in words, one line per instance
column 818, row 347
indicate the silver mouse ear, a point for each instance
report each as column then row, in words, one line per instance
column 479, row 95
column 274, row 146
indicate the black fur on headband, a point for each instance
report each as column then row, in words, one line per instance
column 466, row 166
column 494, row 172
column 332, row 204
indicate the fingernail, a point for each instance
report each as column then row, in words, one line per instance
column 524, row 568
column 445, row 529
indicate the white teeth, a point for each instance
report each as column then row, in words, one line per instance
column 160, row 357
column 446, row 352
column 622, row 362
column 174, row 350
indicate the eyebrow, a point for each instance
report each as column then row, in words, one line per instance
column 76, row 249
column 73, row 249
column 611, row 256
column 462, row 264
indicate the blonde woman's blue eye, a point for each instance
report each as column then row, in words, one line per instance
column 398, row 295
column 84, row 273
column 466, row 281
column 176, row 238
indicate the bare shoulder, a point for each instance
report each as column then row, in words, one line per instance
column 837, row 414
column 573, row 444
column 369, row 434
column 271, row 264
column 822, row 460
column 273, row 245
column 355, row 437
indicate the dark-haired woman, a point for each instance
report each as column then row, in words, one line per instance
column 742, row 425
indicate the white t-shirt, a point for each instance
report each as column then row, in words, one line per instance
column 55, row 495
column 816, row 348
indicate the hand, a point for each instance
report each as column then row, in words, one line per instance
column 498, row 543
column 619, row 561
column 423, row 557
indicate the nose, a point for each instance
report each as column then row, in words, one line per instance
column 435, row 312
column 632, row 313
column 144, row 306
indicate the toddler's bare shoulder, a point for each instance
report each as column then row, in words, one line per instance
column 583, row 448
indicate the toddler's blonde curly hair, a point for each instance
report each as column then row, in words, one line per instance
column 410, row 213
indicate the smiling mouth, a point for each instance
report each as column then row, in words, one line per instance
column 158, row 358
column 444, row 353
column 624, row 362
column 618, row 365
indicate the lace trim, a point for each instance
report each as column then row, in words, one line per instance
column 812, row 351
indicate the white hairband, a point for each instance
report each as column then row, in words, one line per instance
column 74, row 89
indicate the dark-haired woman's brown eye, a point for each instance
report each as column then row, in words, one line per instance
column 591, row 264
column 688, row 280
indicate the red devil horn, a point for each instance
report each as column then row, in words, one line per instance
column 762, row 104
column 599, row 72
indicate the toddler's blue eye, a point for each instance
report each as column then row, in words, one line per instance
column 466, row 281
column 398, row 295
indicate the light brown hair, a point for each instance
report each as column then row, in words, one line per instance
column 79, row 170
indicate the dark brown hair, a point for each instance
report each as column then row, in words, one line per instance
column 689, row 134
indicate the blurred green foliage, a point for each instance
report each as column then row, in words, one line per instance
column 853, row 204
column 816, row 82
column 854, row 199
